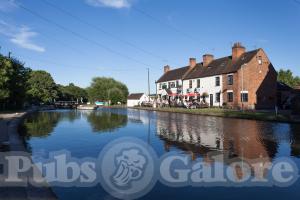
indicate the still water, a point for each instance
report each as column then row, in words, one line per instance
column 85, row 133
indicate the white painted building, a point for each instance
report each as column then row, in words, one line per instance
column 250, row 81
column 210, row 85
column 136, row 99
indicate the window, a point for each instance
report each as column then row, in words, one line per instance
column 160, row 86
column 164, row 86
column 260, row 60
column 218, row 97
column 177, row 83
column 244, row 97
column 230, row 79
column 230, row 96
column 217, row 81
column 172, row 85
column 198, row 83
column 190, row 84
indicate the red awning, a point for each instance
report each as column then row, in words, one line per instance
column 192, row 94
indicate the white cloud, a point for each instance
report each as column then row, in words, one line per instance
column 7, row 5
column 21, row 36
column 110, row 3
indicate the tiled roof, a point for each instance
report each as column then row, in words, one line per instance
column 216, row 67
column 221, row 66
column 135, row 96
column 174, row 74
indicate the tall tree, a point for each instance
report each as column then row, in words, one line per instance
column 72, row 92
column 287, row 77
column 103, row 89
column 13, row 76
column 41, row 87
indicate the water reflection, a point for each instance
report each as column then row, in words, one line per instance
column 206, row 137
column 42, row 124
column 106, row 121
column 199, row 135
column 295, row 143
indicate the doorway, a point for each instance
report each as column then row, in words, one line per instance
column 211, row 100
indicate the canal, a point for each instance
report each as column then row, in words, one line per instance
column 85, row 133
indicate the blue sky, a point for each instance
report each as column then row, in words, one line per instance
column 124, row 37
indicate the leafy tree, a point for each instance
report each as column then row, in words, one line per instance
column 72, row 92
column 103, row 89
column 13, row 76
column 287, row 77
column 41, row 87
column 115, row 95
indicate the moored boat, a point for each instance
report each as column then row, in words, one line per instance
column 87, row 107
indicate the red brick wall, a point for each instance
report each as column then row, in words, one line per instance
column 259, row 80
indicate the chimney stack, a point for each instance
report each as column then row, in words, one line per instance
column 237, row 50
column 207, row 59
column 166, row 68
column 193, row 62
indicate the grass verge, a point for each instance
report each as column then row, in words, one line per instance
column 217, row 112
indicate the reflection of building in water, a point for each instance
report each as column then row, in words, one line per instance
column 205, row 137
column 186, row 129
column 295, row 151
column 138, row 116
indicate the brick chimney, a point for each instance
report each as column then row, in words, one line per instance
column 166, row 68
column 237, row 50
column 207, row 59
column 193, row 62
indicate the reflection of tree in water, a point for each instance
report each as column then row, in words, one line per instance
column 70, row 116
column 295, row 130
column 43, row 123
column 106, row 121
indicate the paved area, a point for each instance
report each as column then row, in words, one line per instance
column 10, row 140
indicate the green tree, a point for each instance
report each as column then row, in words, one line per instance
column 103, row 89
column 287, row 77
column 13, row 76
column 115, row 95
column 72, row 92
column 41, row 87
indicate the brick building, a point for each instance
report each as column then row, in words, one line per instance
column 242, row 80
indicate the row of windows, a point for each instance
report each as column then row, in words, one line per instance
column 217, row 82
column 169, row 85
column 244, row 97
column 199, row 82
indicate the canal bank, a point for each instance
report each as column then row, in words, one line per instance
column 216, row 112
column 11, row 141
